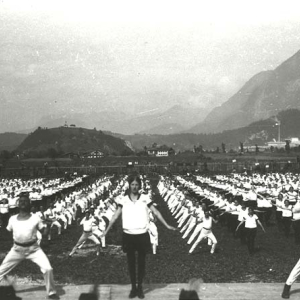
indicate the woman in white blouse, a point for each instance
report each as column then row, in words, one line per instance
column 251, row 220
column 135, row 220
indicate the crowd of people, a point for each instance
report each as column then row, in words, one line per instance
column 92, row 205
column 238, row 202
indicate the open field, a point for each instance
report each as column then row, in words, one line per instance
column 231, row 262
column 123, row 160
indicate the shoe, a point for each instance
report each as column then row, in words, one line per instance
column 140, row 292
column 286, row 292
column 53, row 296
column 132, row 294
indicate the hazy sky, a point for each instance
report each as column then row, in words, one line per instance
column 134, row 56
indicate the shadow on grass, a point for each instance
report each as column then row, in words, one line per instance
column 295, row 291
column 59, row 289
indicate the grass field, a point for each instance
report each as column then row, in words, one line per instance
column 230, row 263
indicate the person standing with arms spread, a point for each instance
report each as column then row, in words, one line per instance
column 135, row 220
column 251, row 220
column 24, row 227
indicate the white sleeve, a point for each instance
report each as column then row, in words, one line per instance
column 148, row 200
column 120, row 201
column 9, row 226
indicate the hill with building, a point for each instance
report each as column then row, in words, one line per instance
column 73, row 140
column 263, row 96
column 63, row 140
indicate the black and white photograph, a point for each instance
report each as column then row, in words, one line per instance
column 149, row 149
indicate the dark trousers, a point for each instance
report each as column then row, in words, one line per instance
column 286, row 222
column 4, row 219
column 279, row 219
column 141, row 267
column 296, row 227
column 250, row 238
column 242, row 233
column 232, row 222
column 268, row 214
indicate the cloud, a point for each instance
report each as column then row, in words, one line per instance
column 135, row 55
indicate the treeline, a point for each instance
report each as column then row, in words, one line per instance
column 257, row 133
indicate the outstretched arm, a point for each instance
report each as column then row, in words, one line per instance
column 160, row 218
column 113, row 220
column 240, row 225
column 262, row 227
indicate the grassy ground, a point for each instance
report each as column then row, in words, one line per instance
column 231, row 262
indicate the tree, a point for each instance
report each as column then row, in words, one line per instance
column 52, row 153
column 223, row 148
column 4, row 154
column 256, row 149
column 200, row 149
column 287, row 146
column 218, row 150
column 242, row 147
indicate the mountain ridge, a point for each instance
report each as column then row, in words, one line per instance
column 263, row 95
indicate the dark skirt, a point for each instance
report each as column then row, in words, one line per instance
column 136, row 242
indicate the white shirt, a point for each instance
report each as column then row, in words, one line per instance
column 135, row 217
column 207, row 223
column 286, row 212
column 59, row 206
column 251, row 221
column 279, row 205
column 50, row 213
column 13, row 202
column 296, row 211
column 243, row 214
column 87, row 224
column 25, row 231
column 4, row 208
column 263, row 203
column 251, row 196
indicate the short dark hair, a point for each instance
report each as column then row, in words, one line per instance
column 24, row 195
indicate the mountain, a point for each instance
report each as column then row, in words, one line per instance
column 69, row 139
column 165, row 129
column 264, row 95
column 258, row 132
column 180, row 117
column 10, row 141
